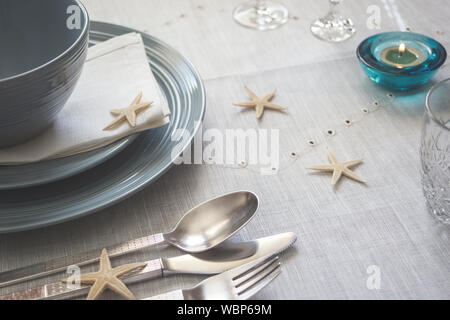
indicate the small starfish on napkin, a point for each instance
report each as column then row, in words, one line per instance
column 339, row 168
column 260, row 103
column 108, row 278
column 129, row 114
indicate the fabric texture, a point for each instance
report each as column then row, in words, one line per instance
column 346, row 235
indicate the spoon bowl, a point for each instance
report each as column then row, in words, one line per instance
column 213, row 221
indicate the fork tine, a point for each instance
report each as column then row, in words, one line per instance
column 239, row 271
column 247, row 275
column 257, row 277
column 259, row 285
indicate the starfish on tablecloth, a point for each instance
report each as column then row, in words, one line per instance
column 339, row 168
column 129, row 114
column 260, row 103
column 108, row 278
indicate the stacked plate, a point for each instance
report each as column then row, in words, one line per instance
column 49, row 192
column 41, row 59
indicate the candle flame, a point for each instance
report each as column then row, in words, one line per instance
column 401, row 48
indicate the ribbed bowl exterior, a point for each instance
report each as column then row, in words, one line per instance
column 30, row 103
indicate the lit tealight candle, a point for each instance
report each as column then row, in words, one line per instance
column 402, row 56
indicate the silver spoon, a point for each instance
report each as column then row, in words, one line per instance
column 200, row 229
column 213, row 221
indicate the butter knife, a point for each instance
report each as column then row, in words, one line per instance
column 224, row 257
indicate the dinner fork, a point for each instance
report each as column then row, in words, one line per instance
column 237, row 284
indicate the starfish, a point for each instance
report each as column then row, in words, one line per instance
column 107, row 277
column 339, row 168
column 260, row 103
column 129, row 113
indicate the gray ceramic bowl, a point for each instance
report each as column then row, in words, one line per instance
column 43, row 49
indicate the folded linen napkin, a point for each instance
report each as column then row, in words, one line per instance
column 115, row 72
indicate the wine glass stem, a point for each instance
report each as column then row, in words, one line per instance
column 334, row 8
column 260, row 5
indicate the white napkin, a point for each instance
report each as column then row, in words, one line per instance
column 115, row 72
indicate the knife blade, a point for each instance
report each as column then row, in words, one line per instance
column 229, row 255
column 224, row 257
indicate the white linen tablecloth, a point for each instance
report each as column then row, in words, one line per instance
column 345, row 235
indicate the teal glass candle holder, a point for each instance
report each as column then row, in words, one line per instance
column 400, row 60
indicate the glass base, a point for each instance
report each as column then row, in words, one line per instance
column 333, row 30
column 437, row 202
column 270, row 16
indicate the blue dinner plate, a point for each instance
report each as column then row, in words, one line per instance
column 139, row 164
column 34, row 174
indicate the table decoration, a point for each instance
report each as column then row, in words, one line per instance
column 324, row 139
column 358, row 242
column 109, row 278
column 261, row 14
column 435, row 151
column 339, row 168
column 146, row 159
column 260, row 103
column 402, row 56
column 128, row 114
column 333, row 27
column 400, row 60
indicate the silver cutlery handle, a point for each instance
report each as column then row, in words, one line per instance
column 172, row 295
column 60, row 290
column 61, row 264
